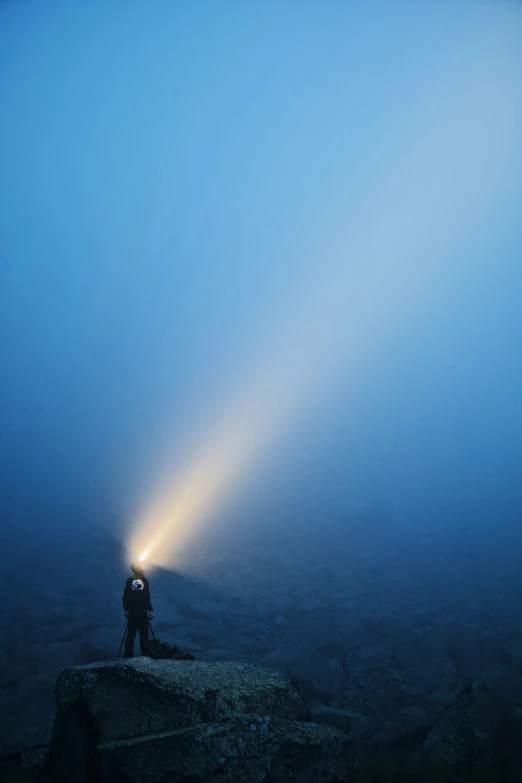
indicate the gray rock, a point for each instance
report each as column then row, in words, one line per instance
column 476, row 728
column 352, row 723
column 172, row 694
column 144, row 720
column 243, row 748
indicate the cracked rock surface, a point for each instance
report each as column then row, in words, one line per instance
column 147, row 721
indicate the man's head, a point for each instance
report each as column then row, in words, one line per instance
column 138, row 568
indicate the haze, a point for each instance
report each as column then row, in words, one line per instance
column 261, row 263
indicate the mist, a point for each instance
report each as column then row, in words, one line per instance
column 261, row 274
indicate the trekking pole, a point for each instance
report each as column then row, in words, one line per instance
column 152, row 632
column 123, row 637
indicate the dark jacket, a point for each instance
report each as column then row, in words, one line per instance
column 137, row 601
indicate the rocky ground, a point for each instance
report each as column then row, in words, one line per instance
column 382, row 634
column 153, row 721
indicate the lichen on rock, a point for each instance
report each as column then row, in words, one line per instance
column 143, row 720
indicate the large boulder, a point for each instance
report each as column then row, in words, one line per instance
column 149, row 721
column 476, row 729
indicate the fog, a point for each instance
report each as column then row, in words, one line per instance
column 261, row 274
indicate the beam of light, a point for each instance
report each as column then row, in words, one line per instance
column 445, row 178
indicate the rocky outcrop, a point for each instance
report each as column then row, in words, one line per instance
column 476, row 729
column 148, row 721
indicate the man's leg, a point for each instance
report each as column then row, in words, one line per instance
column 131, row 635
column 143, row 627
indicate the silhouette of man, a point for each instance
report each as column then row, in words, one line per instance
column 138, row 609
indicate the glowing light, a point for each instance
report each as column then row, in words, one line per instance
column 440, row 189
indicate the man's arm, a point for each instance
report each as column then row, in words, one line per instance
column 127, row 593
column 147, row 596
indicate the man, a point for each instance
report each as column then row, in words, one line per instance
column 138, row 609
